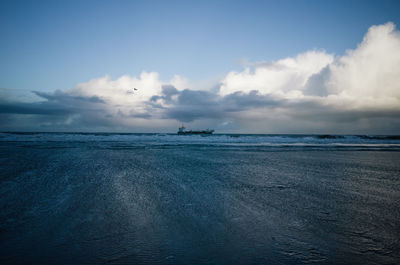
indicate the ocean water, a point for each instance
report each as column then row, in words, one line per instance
column 221, row 199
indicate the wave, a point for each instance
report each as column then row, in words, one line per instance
column 380, row 137
column 163, row 140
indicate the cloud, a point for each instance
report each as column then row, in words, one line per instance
column 55, row 104
column 313, row 92
column 190, row 105
column 370, row 74
column 282, row 77
column 331, row 91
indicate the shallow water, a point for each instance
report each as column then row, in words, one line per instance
column 164, row 199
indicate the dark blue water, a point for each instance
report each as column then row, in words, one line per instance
column 222, row 199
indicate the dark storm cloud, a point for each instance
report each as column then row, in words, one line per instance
column 57, row 103
column 56, row 109
column 239, row 101
column 39, row 108
column 190, row 105
column 167, row 92
column 61, row 97
column 65, row 112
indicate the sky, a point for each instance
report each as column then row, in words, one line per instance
column 234, row 66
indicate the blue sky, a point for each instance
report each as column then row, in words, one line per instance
column 49, row 45
column 236, row 66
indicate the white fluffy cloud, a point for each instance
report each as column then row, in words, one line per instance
column 286, row 76
column 122, row 92
column 366, row 77
column 370, row 74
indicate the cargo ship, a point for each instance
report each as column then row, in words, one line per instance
column 182, row 131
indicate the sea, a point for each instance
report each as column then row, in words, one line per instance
column 109, row 198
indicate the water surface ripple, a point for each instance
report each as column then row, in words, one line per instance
column 164, row 199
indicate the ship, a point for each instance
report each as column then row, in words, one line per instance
column 182, row 131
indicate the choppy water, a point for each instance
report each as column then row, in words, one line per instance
column 220, row 199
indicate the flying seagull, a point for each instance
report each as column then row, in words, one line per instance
column 131, row 91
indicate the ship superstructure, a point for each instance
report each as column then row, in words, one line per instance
column 182, row 131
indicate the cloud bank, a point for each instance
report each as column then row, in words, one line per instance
column 313, row 92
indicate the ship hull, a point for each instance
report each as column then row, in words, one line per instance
column 195, row 132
